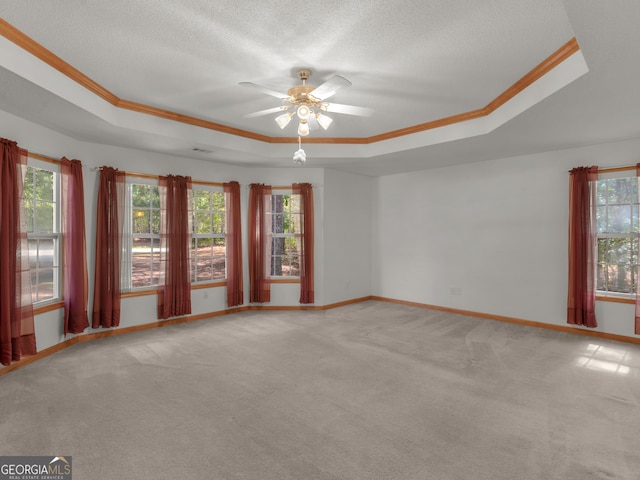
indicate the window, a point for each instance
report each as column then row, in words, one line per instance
column 285, row 235
column 208, row 243
column 142, row 240
column 617, row 234
column 42, row 211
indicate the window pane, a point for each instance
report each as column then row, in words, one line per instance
column 46, row 278
column 44, row 217
column 141, row 222
column 140, row 195
column 622, row 190
column 155, row 222
column 201, row 199
column 217, row 200
column 204, row 248
column 619, row 218
column 602, row 250
column 203, row 222
column 618, row 250
column 46, row 253
column 33, row 254
column 219, row 268
column 295, row 204
column 155, row 261
column 218, row 223
column 601, row 192
column 602, row 277
column 28, row 183
column 291, row 245
column 601, row 218
column 143, row 256
column 44, row 184
column 291, row 223
column 207, row 259
column 293, row 265
column 284, row 263
column 277, row 223
column 619, row 277
column 28, row 211
column 155, row 197
column 276, row 265
column 203, row 271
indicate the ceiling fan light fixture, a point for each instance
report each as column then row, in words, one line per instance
column 324, row 121
column 303, row 112
column 303, row 128
column 283, row 120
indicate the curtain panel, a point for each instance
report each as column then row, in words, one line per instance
column 176, row 208
column 582, row 247
column 76, row 284
column 17, row 332
column 259, row 248
column 235, row 289
column 109, row 226
column 305, row 191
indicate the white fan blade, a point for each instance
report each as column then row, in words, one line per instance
column 330, row 87
column 273, row 93
column 349, row 109
column 265, row 112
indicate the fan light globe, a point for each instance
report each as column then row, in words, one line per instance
column 303, row 112
column 303, row 129
column 283, row 120
column 324, row 121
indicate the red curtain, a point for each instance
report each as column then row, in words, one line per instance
column 259, row 206
column 76, row 284
column 17, row 332
column 110, row 221
column 306, row 262
column 174, row 289
column 582, row 247
column 637, row 315
column 235, row 289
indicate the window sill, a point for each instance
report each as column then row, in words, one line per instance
column 196, row 286
column 48, row 307
column 284, row 280
column 139, row 293
column 154, row 291
column 607, row 298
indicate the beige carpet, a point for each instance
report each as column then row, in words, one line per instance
column 368, row 391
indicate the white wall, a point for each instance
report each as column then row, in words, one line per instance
column 488, row 237
column 347, row 236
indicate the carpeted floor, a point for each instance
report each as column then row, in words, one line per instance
column 367, row 391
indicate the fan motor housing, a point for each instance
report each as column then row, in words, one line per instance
column 301, row 93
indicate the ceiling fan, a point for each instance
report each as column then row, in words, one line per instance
column 308, row 103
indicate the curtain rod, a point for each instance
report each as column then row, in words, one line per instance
column 44, row 158
column 157, row 177
column 617, row 169
column 624, row 168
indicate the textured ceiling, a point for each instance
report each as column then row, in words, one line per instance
column 412, row 61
